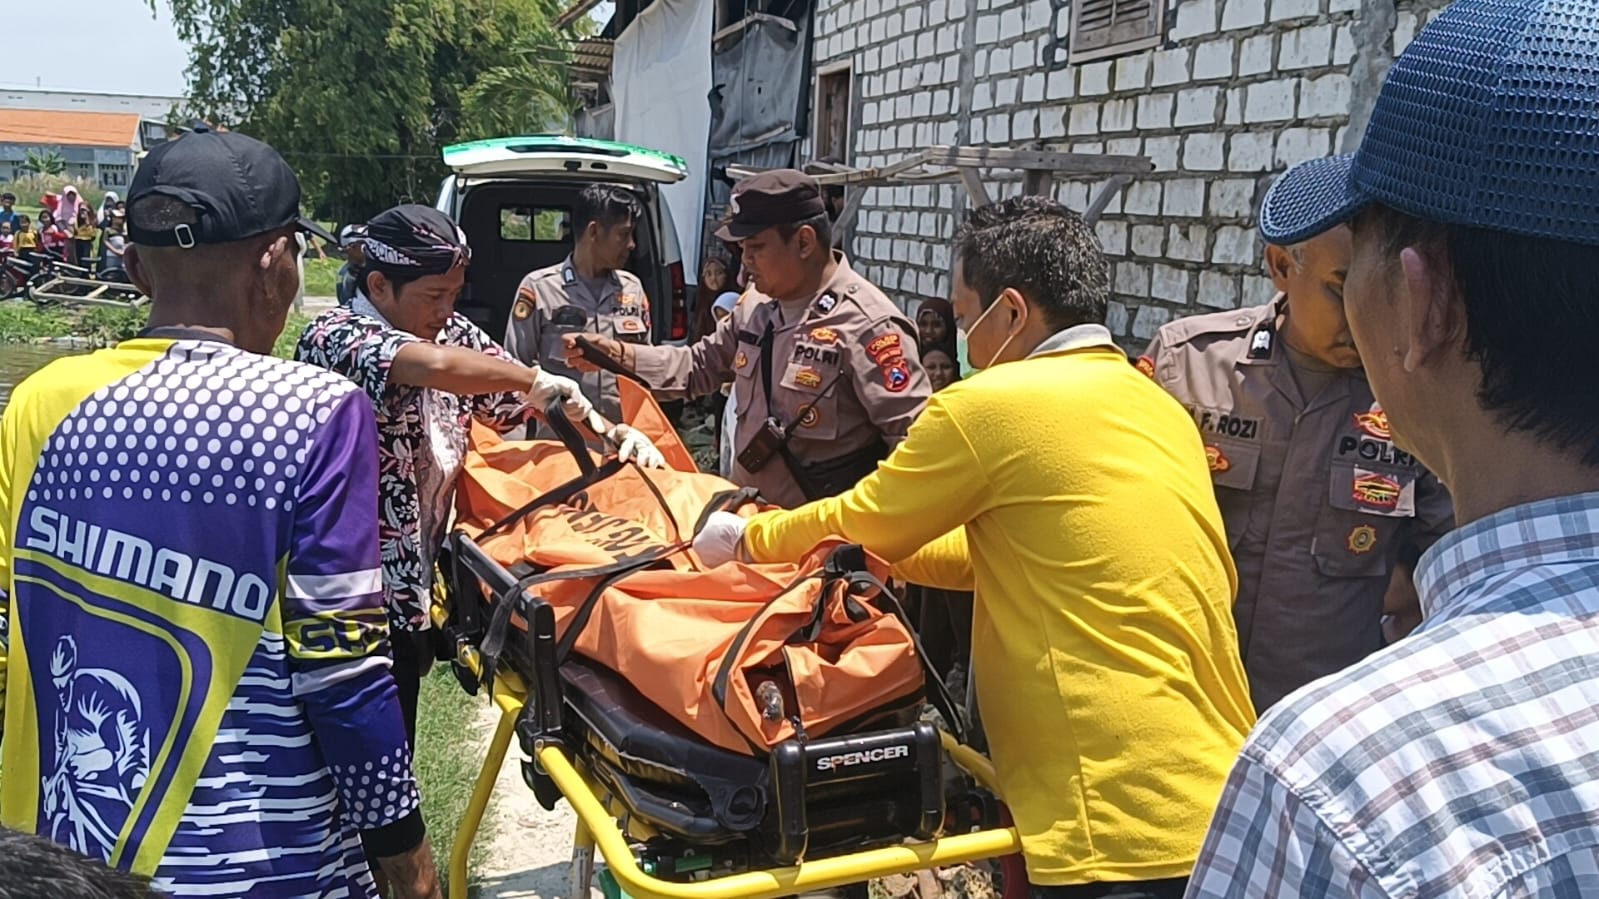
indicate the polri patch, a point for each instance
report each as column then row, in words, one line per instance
column 824, row 335
column 1146, row 365
column 522, row 309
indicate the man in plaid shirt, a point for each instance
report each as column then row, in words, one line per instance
column 1463, row 761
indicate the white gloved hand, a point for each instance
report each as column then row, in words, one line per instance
column 633, row 446
column 721, row 540
column 547, row 388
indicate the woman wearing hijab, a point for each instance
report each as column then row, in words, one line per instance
column 935, row 327
column 108, row 205
column 67, row 207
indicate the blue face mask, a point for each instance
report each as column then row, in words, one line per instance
column 973, row 327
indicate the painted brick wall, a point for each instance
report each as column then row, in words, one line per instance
column 1240, row 90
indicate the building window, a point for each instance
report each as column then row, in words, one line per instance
column 80, row 171
column 832, row 113
column 1101, row 28
column 115, row 175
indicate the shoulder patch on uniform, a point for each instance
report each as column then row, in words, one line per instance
column 1145, row 365
column 885, row 347
column 522, row 309
column 896, row 374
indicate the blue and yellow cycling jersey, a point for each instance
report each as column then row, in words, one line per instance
column 194, row 653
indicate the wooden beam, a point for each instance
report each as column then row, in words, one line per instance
column 1060, row 163
column 846, row 217
column 749, row 20
column 1037, row 182
column 1109, row 189
column 974, row 186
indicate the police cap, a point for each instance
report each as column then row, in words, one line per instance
column 778, row 197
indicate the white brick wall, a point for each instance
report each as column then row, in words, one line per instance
column 1237, row 91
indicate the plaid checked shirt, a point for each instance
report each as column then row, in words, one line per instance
column 1461, row 762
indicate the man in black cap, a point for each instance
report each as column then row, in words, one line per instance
column 824, row 367
column 430, row 373
column 1464, row 759
column 198, row 686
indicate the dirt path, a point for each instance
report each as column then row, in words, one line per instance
column 528, row 849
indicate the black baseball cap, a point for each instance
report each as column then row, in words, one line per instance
column 769, row 199
column 238, row 187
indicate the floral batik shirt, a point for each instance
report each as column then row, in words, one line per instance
column 422, row 439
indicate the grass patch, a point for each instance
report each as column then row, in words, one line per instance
column 292, row 329
column 23, row 322
column 322, row 276
column 101, row 325
column 446, row 762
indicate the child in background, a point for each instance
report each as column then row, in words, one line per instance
column 7, row 241
column 26, row 239
column 115, row 243
column 83, row 234
column 53, row 238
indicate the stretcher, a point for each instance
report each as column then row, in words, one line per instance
column 674, row 815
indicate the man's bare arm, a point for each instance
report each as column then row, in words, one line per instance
column 413, row 874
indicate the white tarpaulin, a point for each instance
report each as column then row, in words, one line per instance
column 660, row 82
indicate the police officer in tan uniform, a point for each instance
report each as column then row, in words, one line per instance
column 589, row 292
column 825, row 370
column 1324, row 514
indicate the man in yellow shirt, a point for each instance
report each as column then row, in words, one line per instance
column 1073, row 495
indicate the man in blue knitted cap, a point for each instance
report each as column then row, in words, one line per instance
column 1464, row 760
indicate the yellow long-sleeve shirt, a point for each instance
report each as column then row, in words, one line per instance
column 1072, row 493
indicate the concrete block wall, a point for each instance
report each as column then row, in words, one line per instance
column 1239, row 90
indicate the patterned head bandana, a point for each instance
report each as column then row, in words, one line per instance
column 414, row 239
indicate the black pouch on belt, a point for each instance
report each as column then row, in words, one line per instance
column 834, row 476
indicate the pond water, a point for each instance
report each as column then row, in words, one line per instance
column 18, row 360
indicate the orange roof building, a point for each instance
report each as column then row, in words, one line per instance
column 96, row 146
column 45, row 127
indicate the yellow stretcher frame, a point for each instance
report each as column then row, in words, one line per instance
column 596, row 828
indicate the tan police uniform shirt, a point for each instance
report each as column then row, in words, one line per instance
column 555, row 301
column 1317, row 500
column 846, row 374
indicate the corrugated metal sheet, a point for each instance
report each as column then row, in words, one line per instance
column 592, row 56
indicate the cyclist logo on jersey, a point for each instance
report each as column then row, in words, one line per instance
column 102, row 754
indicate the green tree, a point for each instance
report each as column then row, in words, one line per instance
column 360, row 95
column 44, row 162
